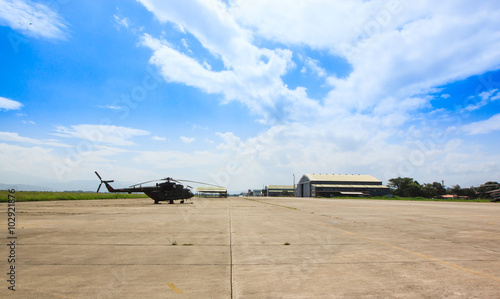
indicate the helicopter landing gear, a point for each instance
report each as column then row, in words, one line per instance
column 182, row 201
column 171, row 202
column 156, row 202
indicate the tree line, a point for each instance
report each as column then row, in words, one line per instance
column 408, row 187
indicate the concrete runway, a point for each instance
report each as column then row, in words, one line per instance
column 237, row 248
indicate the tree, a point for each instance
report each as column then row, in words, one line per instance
column 439, row 188
column 433, row 190
column 456, row 190
column 405, row 187
column 397, row 185
column 429, row 191
column 408, row 187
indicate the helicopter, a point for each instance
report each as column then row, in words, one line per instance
column 168, row 190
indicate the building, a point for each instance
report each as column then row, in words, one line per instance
column 257, row 192
column 279, row 190
column 211, row 191
column 332, row 185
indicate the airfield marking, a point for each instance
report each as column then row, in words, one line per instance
column 173, row 287
column 455, row 266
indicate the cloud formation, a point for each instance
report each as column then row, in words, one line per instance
column 33, row 19
column 251, row 75
column 101, row 134
column 187, row 140
column 484, row 126
column 399, row 57
column 8, row 104
column 15, row 137
column 387, row 88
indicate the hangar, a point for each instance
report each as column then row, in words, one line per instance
column 211, row 191
column 331, row 185
column 278, row 190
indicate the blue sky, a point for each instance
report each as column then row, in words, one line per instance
column 247, row 93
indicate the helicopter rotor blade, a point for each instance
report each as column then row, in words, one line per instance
column 102, row 181
column 174, row 180
column 177, row 181
column 201, row 183
column 149, row 182
column 164, row 179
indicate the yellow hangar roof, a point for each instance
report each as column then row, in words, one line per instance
column 210, row 189
column 342, row 178
column 279, row 187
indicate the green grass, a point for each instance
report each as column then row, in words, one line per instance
column 47, row 196
column 416, row 199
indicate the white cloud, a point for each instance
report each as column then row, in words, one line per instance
column 257, row 85
column 9, row 104
column 33, row 19
column 34, row 160
column 483, row 127
column 488, row 95
column 158, row 138
column 320, row 24
column 252, row 75
column 52, row 166
column 485, row 98
column 313, row 65
column 15, row 137
column 187, row 140
column 357, row 147
column 110, row 107
column 109, row 134
column 174, row 159
column 396, row 53
column 198, row 127
column 211, row 24
column 121, row 21
column 423, row 54
column 395, row 50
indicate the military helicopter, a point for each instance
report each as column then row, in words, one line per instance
column 169, row 190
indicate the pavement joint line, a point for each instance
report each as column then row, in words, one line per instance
column 136, row 245
column 173, row 287
column 136, row 264
column 231, row 248
column 444, row 263
column 253, row 264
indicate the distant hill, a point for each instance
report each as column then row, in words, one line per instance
column 82, row 185
column 24, row 187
